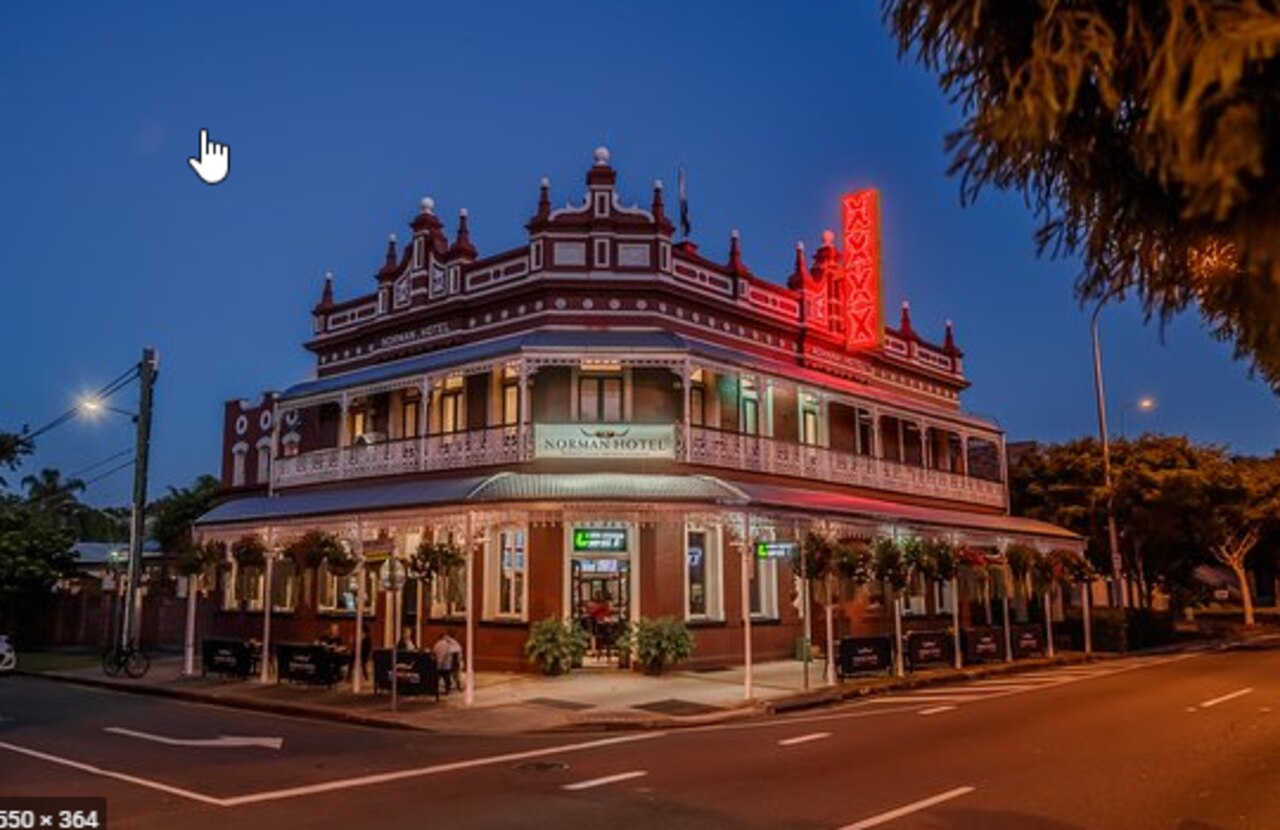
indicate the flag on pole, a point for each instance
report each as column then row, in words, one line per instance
column 685, row 227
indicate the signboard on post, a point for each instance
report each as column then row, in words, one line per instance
column 599, row 540
column 775, row 550
column 604, row 441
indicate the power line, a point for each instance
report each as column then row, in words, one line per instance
column 110, row 472
column 102, row 394
column 90, row 468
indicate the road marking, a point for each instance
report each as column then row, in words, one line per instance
column 222, row 741
column 1225, row 698
column 330, row 786
column 908, row 809
column 422, row 772
column 804, row 739
column 608, row 779
column 108, row 773
column 909, row 699
column 936, row 710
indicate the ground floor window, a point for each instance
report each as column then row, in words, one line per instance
column 763, row 593
column 284, row 585
column 244, row 588
column 507, row 565
column 339, row 592
column 702, row 574
column 449, row 592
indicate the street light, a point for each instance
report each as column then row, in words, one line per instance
column 1117, row 565
column 94, row 407
column 1144, row 405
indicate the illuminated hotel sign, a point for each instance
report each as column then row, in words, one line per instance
column 860, row 269
column 604, row 441
column 774, row 550
column 599, row 540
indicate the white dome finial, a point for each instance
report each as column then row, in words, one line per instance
column 428, row 204
column 828, row 237
column 391, row 237
column 602, row 156
column 657, row 184
column 462, row 212
column 546, row 181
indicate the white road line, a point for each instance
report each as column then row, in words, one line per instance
column 936, row 710
column 1225, row 698
column 340, row 784
column 909, row 699
column 908, row 809
column 608, row 779
column 804, row 739
column 108, row 773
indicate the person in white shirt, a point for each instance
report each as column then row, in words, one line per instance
column 448, row 654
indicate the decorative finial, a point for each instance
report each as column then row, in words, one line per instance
column 428, row 204
column 828, row 238
column 657, row 184
column 462, row 213
column 392, row 238
column 904, row 325
column 602, row 156
column 546, row 182
column 733, row 234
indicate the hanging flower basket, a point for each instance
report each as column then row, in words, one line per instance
column 340, row 561
column 249, row 551
column 196, row 558
column 312, row 549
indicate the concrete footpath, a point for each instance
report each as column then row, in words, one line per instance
column 513, row 703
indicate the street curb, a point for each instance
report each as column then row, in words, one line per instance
column 267, row 706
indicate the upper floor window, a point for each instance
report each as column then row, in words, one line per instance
column 750, row 415
column 698, row 405
column 865, row 441
column 410, row 413
column 600, row 398
column 808, row 419
column 451, row 405
column 359, row 423
column 238, row 454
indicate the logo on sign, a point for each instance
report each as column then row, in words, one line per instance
column 606, row 539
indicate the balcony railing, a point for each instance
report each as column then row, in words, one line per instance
column 736, row 451
column 448, row 451
column 706, row 447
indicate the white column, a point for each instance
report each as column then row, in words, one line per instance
column 189, row 638
column 265, row 663
column 1008, row 637
column 357, row 657
column 469, row 694
column 523, row 407
column 686, row 386
column 955, row 620
column 1048, row 622
column 1086, row 599
column 746, row 615
column 899, row 667
column 830, row 613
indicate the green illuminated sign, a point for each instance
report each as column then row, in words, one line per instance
column 774, row 550
column 600, row 539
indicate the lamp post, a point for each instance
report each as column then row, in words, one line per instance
column 1117, row 566
column 1144, row 406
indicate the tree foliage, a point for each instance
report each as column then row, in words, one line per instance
column 174, row 515
column 1143, row 134
column 12, row 448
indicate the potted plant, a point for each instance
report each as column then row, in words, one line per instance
column 249, row 551
column 656, row 644
column 434, row 561
column 555, row 645
column 339, row 560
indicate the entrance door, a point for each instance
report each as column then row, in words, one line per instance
column 600, row 590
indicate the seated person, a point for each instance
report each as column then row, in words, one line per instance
column 332, row 638
column 406, row 641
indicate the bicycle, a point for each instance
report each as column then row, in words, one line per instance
column 129, row 659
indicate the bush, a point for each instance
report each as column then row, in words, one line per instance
column 556, row 645
column 656, row 644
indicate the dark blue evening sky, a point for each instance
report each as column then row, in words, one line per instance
column 341, row 116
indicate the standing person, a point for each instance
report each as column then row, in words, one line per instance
column 448, row 654
column 366, row 651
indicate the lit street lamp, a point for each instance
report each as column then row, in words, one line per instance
column 1144, row 405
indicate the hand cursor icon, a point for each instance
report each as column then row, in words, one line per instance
column 214, row 161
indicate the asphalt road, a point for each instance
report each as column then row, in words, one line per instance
column 1188, row 741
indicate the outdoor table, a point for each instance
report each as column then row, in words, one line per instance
column 306, row 663
column 415, row 672
column 227, row 657
column 860, row 655
column 925, row 647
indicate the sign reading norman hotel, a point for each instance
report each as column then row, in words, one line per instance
column 604, row 441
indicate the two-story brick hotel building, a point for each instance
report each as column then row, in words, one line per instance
column 606, row 412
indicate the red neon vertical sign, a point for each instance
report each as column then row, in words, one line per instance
column 860, row 268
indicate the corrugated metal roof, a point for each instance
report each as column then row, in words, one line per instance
column 99, row 553
column 826, row 500
column 353, row 499
column 605, row 486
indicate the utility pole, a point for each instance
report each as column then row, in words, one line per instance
column 1117, row 564
column 146, row 382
